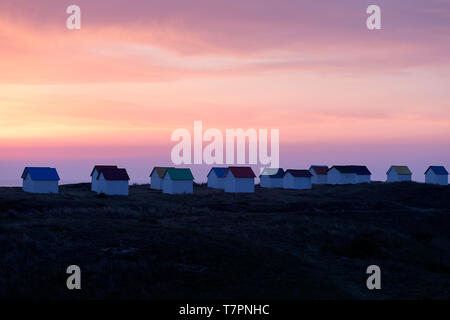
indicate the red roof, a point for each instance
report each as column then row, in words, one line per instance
column 241, row 172
column 115, row 174
column 100, row 168
column 320, row 170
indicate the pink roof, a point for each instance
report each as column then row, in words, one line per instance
column 114, row 174
column 100, row 168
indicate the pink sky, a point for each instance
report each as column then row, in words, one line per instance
column 114, row 91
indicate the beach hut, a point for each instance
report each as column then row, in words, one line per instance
column 271, row 178
column 113, row 182
column 362, row 174
column 436, row 175
column 216, row 178
column 348, row 175
column 297, row 179
column 398, row 174
column 341, row 175
column 156, row 177
column 40, row 180
column 240, row 180
column 94, row 175
column 319, row 174
column 177, row 180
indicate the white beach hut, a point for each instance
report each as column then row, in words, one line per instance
column 348, row 175
column 113, row 181
column 319, row 174
column 240, row 180
column 363, row 175
column 178, row 181
column 94, row 175
column 156, row 177
column 436, row 175
column 216, row 178
column 271, row 178
column 398, row 174
column 40, row 180
column 341, row 175
column 297, row 179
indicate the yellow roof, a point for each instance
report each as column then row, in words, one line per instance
column 401, row 169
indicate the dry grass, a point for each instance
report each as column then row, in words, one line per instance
column 275, row 244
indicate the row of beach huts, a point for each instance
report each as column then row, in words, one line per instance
column 111, row 180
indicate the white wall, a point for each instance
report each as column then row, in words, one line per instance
column 94, row 181
column 170, row 186
column 33, row 186
column 433, row 178
column 335, row 177
column 268, row 182
column 362, row 178
column 348, row 178
column 300, row 183
column 277, row 182
column 239, row 185
column 318, row 179
column 112, row 188
column 215, row 182
column 155, row 181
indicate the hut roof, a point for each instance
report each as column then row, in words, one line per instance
column 41, row 173
column 241, row 172
column 180, row 174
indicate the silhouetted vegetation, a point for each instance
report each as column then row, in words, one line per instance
column 278, row 244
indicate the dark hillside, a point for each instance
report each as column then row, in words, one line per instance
column 272, row 244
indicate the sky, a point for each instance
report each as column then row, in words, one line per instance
column 114, row 91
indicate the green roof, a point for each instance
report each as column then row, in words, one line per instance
column 180, row 174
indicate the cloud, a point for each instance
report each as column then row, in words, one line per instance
column 139, row 69
column 170, row 40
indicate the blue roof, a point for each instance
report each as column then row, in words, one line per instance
column 220, row 172
column 439, row 170
column 361, row 170
column 41, row 173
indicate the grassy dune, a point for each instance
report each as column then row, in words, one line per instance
column 275, row 244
